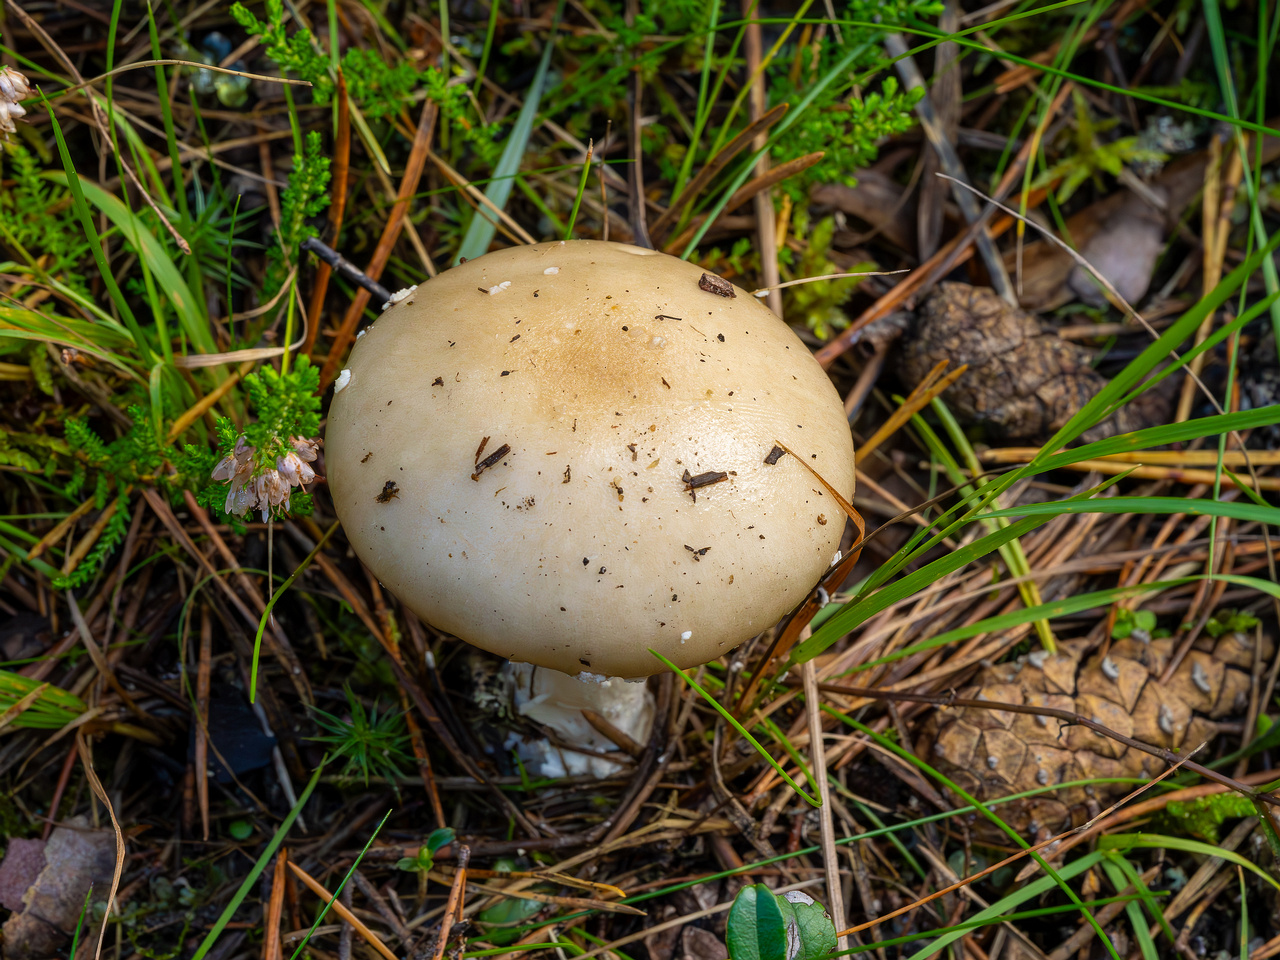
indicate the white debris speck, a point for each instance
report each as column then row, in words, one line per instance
column 837, row 558
column 399, row 295
column 593, row 677
column 797, row 896
column 430, row 660
column 760, row 294
column 686, row 635
column 361, row 333
column 499, row 287
column 551, row 271
column 341, row 383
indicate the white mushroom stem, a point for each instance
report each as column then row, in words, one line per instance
column 556, row 701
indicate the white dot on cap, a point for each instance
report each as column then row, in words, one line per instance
column 343, row 379
column 551, row 271
column 686, row 635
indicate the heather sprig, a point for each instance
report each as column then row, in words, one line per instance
column 304, row 198
column 274, row 454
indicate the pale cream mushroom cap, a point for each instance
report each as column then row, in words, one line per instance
column 608, row 372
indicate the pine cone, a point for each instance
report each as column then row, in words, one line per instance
column 1023, row 382
column 994, row 753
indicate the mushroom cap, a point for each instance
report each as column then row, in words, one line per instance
column 601, row 375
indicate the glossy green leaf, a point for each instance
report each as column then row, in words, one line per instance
column 756, row 928
column 439, row 838
column 810, row 932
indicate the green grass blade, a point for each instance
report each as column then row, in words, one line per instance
column 1222, row 61
column 53, row 709
column 577, row 200
column 172, row 284
column 266, row 613
column 1159, row 436
column 481, row 229
column 813, row 801
column 1156, row 352
column 1051, row 610
column 1055, row 877
column 307, row 939
column 863, row 609
column 1159, row 505
column 1121, row 873
column 1147, row 841
column 793, row 115
column 75, row 184
column 247, row 885
column 1014, row 557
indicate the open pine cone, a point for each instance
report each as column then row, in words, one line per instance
column 994, row 753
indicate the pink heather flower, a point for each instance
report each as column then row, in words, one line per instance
column 13, row 88
column 270, row 488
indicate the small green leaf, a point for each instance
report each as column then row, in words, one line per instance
column 240, row 829
column 407, row 864
column 505, row 918
column 756, row 928
column 763, row 925
column 810, row 932
column 440, row 838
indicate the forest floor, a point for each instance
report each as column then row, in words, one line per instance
column 1038, row 245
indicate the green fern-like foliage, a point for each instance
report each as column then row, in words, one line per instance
column 845, row 125
column 136, row 457
column 111, row 468
column 30, row 451
column 460, row 117
column 112, row 536
column 381, row 89
column 286, row 405
column 304, row 198
column 39, row 217
column 294, row 53
column 818, row 302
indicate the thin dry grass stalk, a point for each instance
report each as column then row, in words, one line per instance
column 390, row 231
column 337, row 907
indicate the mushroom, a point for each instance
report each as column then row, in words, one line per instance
column 569, row 454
